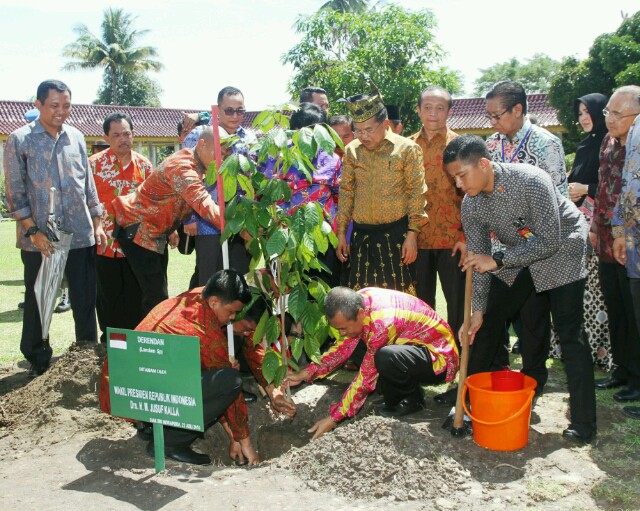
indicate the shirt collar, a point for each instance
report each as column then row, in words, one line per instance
column 39, row 128
column 442, row 132
column 519, row 134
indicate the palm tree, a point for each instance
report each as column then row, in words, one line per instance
column 352, row 6
column 116, row 52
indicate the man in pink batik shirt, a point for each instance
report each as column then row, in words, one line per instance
column 408, row 345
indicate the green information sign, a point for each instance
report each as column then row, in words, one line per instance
column 155, row 378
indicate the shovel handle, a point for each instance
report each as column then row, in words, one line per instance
column 458, row 419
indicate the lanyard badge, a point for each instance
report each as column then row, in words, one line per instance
column 523, row 230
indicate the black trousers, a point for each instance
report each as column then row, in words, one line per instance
column 402, row 369
column 220, row 388
column 150, row 270
column 81, row 275
column 119, row 303
column 623, row 333
column 566, row 304
column 634, row 288
column 430, row 265
column 209, row 256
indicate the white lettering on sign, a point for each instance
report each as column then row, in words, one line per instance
column 150, row 340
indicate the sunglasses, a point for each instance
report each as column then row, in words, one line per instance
column 231, row 111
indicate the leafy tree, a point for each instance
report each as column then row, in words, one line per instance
column 613, row 61
column 286, row 245
column 393, row 45
column 116, row 51
column 535, row 75
column 133, row 89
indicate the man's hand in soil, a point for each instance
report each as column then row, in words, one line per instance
column 243, row 452
column 295, row 379
column 279, row 401
column 321, row 427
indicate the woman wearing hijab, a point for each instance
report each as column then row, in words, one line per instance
column 583, row 183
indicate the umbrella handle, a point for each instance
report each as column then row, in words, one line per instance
column 52, row 198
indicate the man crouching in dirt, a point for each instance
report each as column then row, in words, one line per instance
column 203, row 312
column 408, row 345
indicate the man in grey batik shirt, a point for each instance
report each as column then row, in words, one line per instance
column 545, row 240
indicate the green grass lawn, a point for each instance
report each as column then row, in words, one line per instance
column 61, row 332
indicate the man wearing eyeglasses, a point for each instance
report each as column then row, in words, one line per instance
column 620, row 112
column 626, row 222
column 117, row 170
column 231, row 112
column 517, row 140
column 383, row 191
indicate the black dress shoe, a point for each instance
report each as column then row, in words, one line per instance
column 632, row 411
column 610, row 382
column 37, row 370
column 574, row 436
column 447, row 398
column 182, row 454
column 627, row 394
column 144, row 431
column 405, row 407
column 249, row 397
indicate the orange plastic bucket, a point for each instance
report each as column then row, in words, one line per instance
column 500, row 418
column 507, row 380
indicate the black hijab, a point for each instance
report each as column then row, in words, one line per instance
column 587, row 160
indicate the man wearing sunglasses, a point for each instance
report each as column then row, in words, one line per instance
column 208, row 248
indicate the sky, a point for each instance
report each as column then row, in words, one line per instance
column 208, row 44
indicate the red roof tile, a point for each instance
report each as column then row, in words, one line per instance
column 148, row 122
column 470, row 113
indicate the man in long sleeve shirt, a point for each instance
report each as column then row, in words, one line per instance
column 145, row 218
column 545, row 240
column 407, row 345
column 43, row 154
column 383, row 191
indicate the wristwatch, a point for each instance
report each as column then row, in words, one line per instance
column 498, row 257
column 31, row 231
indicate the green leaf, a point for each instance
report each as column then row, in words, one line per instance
column 292, row 364
column 264, row 218
column 230, row 185
column 297, row 301
column 322, row 243
column 250, row 222
column 272, row 329
column 258, row 333
column 309, row 243
column 297, row 345
column 280, row 138
column 230, row 165
column 298, row 224
column 245, row 163
column 281, row 372
column 212, row 174
column 312, row 348
column 305, row 141
column 336, row 138
column 245, row 184
column 270, row 364
column 312, row 215
column 323, row 138
column 276, row 243
column 265, row 120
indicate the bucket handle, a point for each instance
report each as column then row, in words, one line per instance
column 503, row 421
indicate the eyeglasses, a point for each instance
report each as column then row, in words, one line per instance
column 366, row 132
column 497, row 117
column 231, row 111
column 124, row 134
column 616, row 116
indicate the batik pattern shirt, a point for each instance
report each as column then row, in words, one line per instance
column 444, row 228
column 190, row 314
column 323, row 188
column 111, row 181
column 539, row 228
column 165, row 199
column 391, row 317
column 382, row 185
column 540, row 149
column 34, row 161
column 612, row 155
column 626, row 217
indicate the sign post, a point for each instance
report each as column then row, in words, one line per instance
column 155, row 377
